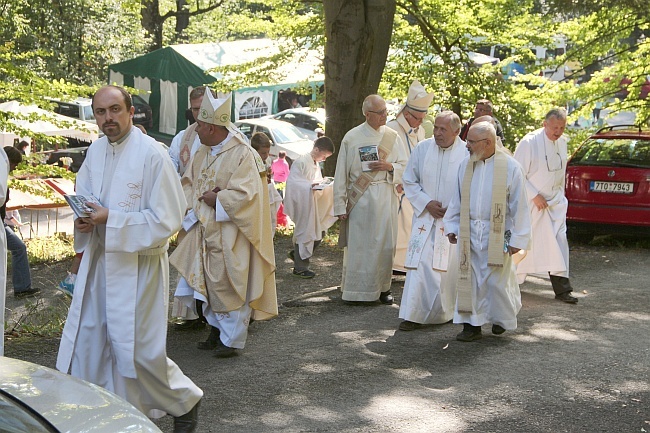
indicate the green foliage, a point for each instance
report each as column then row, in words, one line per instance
column 49, row 249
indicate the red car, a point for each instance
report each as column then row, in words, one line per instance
column 608, row 184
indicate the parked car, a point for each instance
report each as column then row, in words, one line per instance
column 37, row 399
column 81, row 108
column 305, row 119
column 608, row 183
column 283, row 135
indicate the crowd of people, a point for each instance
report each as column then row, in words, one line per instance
column 459, row 214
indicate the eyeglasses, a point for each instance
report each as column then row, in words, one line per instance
column 417, row 119
column 559, row 158
column 380, row 113
column 473, row 142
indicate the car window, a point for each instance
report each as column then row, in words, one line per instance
column 67, row 110
column 311, row 123
column 246, row 129
column 88, row 113
column 287, row 133
column 613, row 151
column 19, row 418
column 289, row 117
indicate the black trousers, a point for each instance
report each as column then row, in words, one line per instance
column 560, row 284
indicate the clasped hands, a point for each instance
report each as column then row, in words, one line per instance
column 210, row 197
column 454, row 240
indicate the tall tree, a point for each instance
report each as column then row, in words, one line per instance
column 153, row 20
column 358, row 35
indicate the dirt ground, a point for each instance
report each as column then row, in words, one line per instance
column 323, row 366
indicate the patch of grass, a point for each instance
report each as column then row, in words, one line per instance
column 40, row 318
column 49, row 249
column 620, row 241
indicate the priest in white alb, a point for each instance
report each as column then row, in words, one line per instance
column 310, row 210
column 225, row 254
column 543, row 157
column 371, row 161
column 408, row 125
column 489, row 220
column 115, row 333
column 429, row 293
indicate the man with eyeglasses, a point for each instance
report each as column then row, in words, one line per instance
column 543, row 156
column 184, row 145
column 408, row 125
column 488, row 219
column 483, row 107
column 429, row 293
column 371, row 161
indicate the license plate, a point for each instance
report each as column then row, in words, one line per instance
column 616, row 187
column 139, row 115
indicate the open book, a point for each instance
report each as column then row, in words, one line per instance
column 78, row 204
column 368, row 154
column 324, row 183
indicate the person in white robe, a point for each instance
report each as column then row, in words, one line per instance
column 4, row 175
column 429, row 293
column 115, row 333
column 494, row 211
column 181, row 150
column 543, row 157
column 365, row 203
column 225, row 252
column 311, row 210
column 408, row 124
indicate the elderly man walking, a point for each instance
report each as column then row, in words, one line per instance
column 226, row 253
column 115, row 333
column 488, row 217
column 543, row 156
column 371, row 161
column 408, row 125
column 430, row 289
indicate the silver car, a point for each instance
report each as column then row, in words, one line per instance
column 283, row 135
column 38, row 399
column 305, row 119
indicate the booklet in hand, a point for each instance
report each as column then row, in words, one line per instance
column 79, row 206
column 368, row 154
column 324, row 183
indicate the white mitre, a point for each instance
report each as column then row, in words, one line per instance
column 418, row 99
column 217, row 111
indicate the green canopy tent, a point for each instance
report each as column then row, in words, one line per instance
column 167, row 76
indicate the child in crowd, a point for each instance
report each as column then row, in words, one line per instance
column 302, row 205
column 262, row 144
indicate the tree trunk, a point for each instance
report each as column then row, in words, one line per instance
column 358, row 34
column 182, row 20
column 152, row 23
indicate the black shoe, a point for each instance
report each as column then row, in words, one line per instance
column 223, row 351
column 386, row 298
column 187, row 423
column 213, row 340
column 27, row 293
column 498, row 329
column 291, row 255
column 189, row 325
column 567, row 297
column 470, row 333
column 407, row 325
column 304, row 274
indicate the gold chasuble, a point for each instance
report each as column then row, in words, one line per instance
column 229, row 261
column 497, row 227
